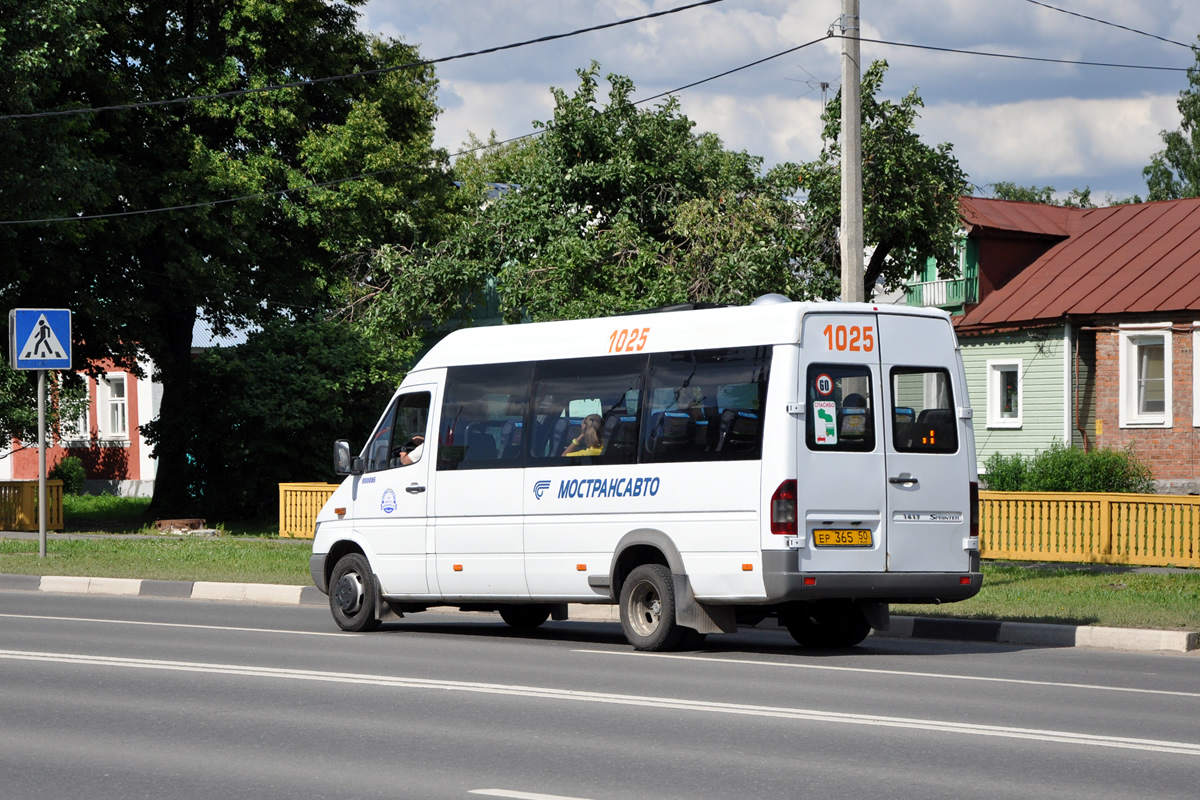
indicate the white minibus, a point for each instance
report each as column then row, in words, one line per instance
column 700, row 468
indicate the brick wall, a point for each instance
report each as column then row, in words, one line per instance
column 1173, row 454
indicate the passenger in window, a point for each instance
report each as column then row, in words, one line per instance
column 588, row 442
column 410, row 451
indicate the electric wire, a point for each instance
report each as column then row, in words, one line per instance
column 366, row 73
column 1112, row 24
column 360, row 176
column 1013, row 56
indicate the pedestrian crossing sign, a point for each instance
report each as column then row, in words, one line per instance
column 39, row 338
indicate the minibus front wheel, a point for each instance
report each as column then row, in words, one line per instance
column 352, row 592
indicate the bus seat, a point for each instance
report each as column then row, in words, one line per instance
column 481, row 445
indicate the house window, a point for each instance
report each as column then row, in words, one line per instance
column 1196, row 374
column 1005, row 400
column 1145, row 376
column 114, row 409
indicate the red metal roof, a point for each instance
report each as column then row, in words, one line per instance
column 1142, row 258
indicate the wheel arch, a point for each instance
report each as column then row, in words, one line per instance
column 642, row 546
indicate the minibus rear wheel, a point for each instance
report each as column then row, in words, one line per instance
column 827, row 623
column 352, row 594
column 648, row 609
column 525, row 617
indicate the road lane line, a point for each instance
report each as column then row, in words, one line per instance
column 389, row 681
column 176, row 625
column 903, row 673
column 522, row 795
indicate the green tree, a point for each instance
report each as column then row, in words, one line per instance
column 1078, row 198
column 1174, row 171
column 136, row 282
column 910, row 190
column 621, row 208
column 259, row 420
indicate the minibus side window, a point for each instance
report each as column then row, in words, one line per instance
column 706, row 405
column 483, row 417
column 407, row 418
column 841, row 409
column 586, row 411
column 923, row 418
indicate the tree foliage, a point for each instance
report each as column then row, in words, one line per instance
column 1077, row 198
column 264, row 220
column 267, row 412
column 1174, row 171
column 614, row 208
column 910, row 190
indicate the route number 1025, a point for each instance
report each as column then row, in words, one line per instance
column 850, row 338
column 628, row 340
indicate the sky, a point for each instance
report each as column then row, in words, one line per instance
column 1027, row 122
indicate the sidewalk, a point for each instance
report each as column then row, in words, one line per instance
column 963, row 630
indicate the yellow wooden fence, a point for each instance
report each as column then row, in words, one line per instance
column 1078, row 527
column 1138, row 529
column 19, row 505
column 298, row 507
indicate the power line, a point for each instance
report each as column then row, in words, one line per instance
column 1112, row 24
column 1015, row 57
column 365, row 73
column 323, row 184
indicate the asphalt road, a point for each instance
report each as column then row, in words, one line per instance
column 138, row 697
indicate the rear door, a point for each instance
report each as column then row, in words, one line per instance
column 927, row 445
column 841, row 496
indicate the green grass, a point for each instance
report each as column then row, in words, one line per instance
column 1079, row 596
column 221, row 558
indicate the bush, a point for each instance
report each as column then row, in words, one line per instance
column 70, row 471
column 1068, row 469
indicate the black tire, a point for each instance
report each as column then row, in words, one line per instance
column 831, row 624
column 525, row 617
column 352, row 593
column 648, row 609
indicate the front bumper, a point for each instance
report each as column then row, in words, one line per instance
column 316, row 567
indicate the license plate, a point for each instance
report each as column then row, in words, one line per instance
column 842, row 537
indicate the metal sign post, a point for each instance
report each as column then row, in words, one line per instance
column 40, row 339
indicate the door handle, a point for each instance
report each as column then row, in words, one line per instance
column 414, row 488
column 903, row 479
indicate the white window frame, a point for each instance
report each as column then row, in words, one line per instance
column 995, row 369
column 1131, row 337
column 1195, row 374
column 105, row 403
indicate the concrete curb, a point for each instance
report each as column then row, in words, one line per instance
column 963, row 630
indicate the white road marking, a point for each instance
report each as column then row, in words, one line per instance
column 522, row 795
column 176, row 625
column 905, row 673
column 1034, row 734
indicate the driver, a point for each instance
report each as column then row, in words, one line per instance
column 411, row 452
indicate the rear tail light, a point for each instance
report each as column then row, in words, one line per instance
column 783, row 509
column 974, row 508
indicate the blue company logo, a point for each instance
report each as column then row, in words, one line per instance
column 600, row 487
column 388, row 504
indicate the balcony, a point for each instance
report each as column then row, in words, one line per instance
column 943, row 294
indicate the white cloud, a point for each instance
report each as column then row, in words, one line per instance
column 1048, row 141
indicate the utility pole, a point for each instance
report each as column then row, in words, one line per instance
column 851, row 234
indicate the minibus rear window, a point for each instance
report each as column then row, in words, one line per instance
column 923, row 419
column 841, row 410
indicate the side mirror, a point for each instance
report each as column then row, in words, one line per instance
column 343, row 462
